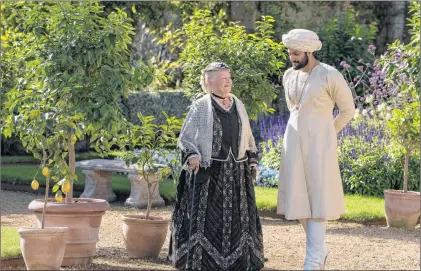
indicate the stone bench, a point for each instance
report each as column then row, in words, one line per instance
column 98, row 174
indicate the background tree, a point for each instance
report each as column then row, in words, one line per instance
column 253, row 58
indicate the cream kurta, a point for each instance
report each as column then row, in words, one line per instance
column 310, row 184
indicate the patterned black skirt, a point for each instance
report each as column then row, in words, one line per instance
column 224, row 232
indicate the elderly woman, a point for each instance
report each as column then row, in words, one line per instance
column 215, row 225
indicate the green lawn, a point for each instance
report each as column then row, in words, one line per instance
column 10, row 243
column 19, row 159
column 266, row 198
column 358, row 208
column 24, row 174
column 364, row 208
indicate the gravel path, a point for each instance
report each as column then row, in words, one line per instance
column 352, row 246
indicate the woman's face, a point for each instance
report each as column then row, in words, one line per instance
column 220, row 82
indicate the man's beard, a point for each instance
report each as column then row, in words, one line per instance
column 300, row 65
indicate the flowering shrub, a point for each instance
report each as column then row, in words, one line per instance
column 271, row 153
column 370, row 163
column 368, row 83
column 392, row 97
column 267, row 177
column 368, row 160
column 271, row 127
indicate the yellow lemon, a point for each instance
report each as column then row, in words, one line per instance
column 35, row 184
column 59, row 198
column 65, row 187
column 45, row 171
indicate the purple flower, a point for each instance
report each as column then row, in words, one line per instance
column 343, row 63
column 371, row 48
column 360, row 68
column 357, row 78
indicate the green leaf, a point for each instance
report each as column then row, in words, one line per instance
column 107, row 41
column 55, row 188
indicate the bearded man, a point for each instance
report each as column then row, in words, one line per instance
column 310, row 186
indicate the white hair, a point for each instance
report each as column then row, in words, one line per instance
column 204, row 78
column 209, row 72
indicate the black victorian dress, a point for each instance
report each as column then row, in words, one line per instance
column 217, row 227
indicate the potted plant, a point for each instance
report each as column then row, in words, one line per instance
column 144, row 235
column 402, row 66
column 43, row 248
column 69, row 65
column 403, row 206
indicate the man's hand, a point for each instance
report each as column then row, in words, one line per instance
column 194, row 164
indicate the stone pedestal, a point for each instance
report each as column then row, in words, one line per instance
column 98, row 173
column 98, row 185
column 139, row 192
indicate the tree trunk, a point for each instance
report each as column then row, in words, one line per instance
column 72, row 166
column 396, row 20
column 392, row 23
column 47, row 188
column 244, row 12
column 148, row 209
column 405, row 172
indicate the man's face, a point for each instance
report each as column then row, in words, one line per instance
column 298, row 59
column 220, row 82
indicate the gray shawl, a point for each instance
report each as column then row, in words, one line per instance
column 197, row 131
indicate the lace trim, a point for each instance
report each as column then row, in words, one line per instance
column 217, row 135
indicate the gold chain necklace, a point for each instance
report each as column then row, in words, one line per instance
column 298, row 105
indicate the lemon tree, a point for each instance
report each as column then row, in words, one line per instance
column 402, row 67
column 151, row 138
column 68, row 65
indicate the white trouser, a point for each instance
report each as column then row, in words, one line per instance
column 316, row 250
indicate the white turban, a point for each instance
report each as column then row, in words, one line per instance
column 302, row 40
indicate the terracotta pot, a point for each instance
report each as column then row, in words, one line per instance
column 43, row 249
column 402, row 209
column 83, row 218
column 144, row 237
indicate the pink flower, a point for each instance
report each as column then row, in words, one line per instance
column 343, row 63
